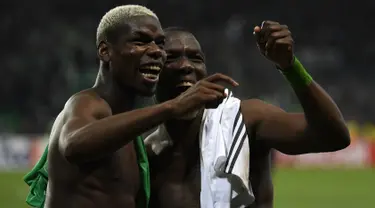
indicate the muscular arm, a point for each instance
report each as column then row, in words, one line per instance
column 90, row 131
column 321, row 128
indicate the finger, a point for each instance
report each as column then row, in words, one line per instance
column 256, row 33
column 213, row 99
column 275, row 28
column 266, row 24
column 218, row 94
column 269, row 22
column 286, row 42
column 266, row 31
column 275, row 36
column 280, row 44
column 221, row 77
column 256, row 29
column 262, row 34
column 213, row 86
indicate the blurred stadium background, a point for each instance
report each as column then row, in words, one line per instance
column 48, row 53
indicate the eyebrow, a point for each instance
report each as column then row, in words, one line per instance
column 144, row 35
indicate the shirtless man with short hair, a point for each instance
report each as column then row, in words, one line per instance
column 93, row 159
column 175, row 170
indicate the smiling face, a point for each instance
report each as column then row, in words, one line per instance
column 185, row 65
column 134, row 53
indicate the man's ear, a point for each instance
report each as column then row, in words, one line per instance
column 103, row 51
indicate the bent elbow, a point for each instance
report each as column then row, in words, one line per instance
column 70, row 154
column 341, row 144
column 340, row 140
column 344, row 142
column 70, row 150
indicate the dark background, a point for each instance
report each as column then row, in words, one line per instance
column 48, row 51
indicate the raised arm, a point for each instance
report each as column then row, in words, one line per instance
column 321, row 128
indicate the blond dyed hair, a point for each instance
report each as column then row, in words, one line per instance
column 118, row 16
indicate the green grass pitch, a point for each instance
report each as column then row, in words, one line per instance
column 293, row 189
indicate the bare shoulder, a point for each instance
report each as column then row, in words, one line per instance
column 81, row 109
column 86, row 103
column 255, row 110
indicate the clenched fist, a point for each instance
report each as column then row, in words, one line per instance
column 205, row 93
column 275, row 42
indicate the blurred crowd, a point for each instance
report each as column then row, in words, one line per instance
column 48, row 51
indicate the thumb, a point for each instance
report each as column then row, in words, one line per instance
column 256, row 33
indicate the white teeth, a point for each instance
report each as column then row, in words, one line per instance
column 151, row 72
column 150, row 76
column 156, row 68
column 185, row 84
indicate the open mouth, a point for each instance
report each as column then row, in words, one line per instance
column 150, row 72
column 185, row 84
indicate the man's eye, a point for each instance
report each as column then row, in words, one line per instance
column 197, row 60
column 172, row 57
column 160, row 44
column 139, row 43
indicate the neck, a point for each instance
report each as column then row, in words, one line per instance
column 119, row 98
column 184, row 128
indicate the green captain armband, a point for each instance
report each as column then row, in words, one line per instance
column 297, row 75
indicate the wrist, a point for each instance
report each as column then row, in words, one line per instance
column 169, row 108
column 284, row 67
column 296, row 74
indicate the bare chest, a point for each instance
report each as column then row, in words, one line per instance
column 116, row 173
column 175, row 177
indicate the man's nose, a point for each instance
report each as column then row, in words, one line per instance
column 155, row 51
column 186, row 66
